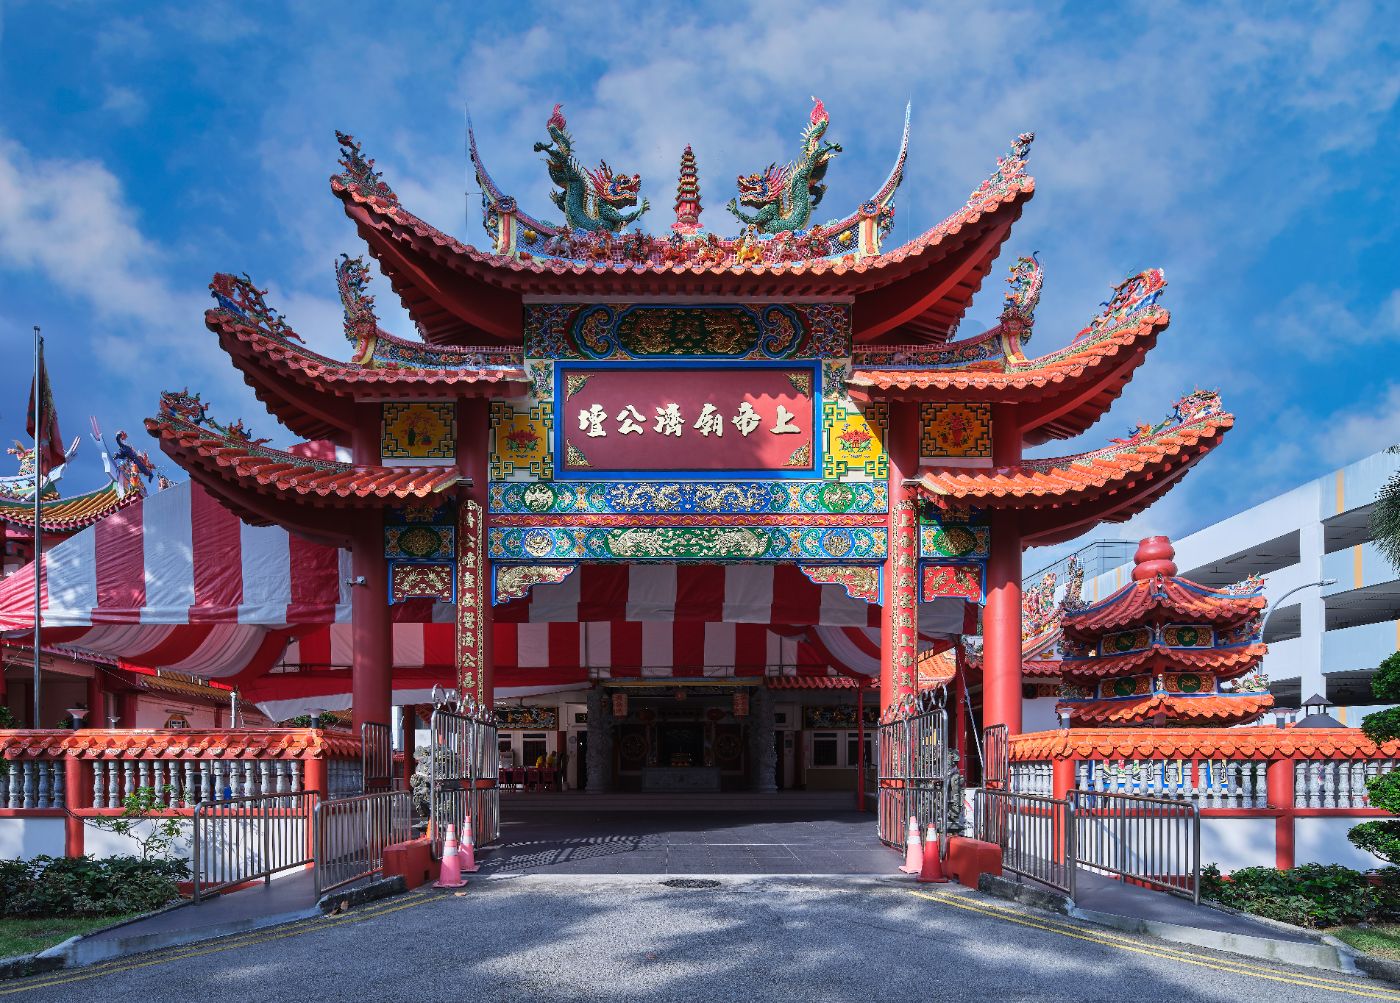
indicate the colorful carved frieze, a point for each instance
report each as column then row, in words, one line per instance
column 1125, row 686
column 959, row 540
column 528, row 717
column 421, row 580
column 775, row 498
column 1123, row 641
column 951, row 581
column 1183, row 635
column 514, row 581
column 686, row 543
column 418, row 432
column 839, row 717
column 614, row 331
column 859, row 582
column 1188, row 682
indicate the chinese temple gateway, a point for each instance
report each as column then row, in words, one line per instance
column 643, row 465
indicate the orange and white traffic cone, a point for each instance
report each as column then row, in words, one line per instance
column 913, row 849
column 932, row 871
column 467, row 855
column 450, row 871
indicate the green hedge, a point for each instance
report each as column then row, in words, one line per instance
column 84, row 886
column 1318, row 895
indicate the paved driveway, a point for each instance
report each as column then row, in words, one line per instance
column 585, row 938
column 689, row 843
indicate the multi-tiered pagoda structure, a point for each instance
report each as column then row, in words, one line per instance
column 1163, row 650
column 589, row 396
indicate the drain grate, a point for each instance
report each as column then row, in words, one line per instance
column 691, row 883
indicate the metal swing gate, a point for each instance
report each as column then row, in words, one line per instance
column 463, row 774
column 917, row 777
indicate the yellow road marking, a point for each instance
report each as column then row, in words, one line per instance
column 1167, row 954
column 228, row 944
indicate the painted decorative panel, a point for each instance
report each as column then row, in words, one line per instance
column 521, row 442
column 1124, row 641
column 420, row 580
column 643, row 421
column 839, row 716
column 859, row 582
column 419, row 542
column 685, row 497
column 514, row 581
column 855, row 439
column 1128, row 686
column 955, row 430
column 709, row 543
column 1185, row 635
column 528, row 717
column 958, row 581
column 1188, row 682
column 959, row 540
column 419, row 432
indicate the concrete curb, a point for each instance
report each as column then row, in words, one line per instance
column 1317, row 953
column 380, row 888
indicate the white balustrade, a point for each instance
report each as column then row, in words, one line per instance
column 1032, row 778
column 1213, row 783
column 31, row 783
column 1334, row 783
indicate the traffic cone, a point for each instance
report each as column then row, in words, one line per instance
column 450, row 872
column 468, row 848
column 932, row 871
column 913, row 849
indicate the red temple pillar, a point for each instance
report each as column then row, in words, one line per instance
column 1001, row 630
column 475, row 662
column 899, row 613
column 96, row 699
column 371, row 629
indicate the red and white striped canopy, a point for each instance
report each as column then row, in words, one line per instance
column 177, row 581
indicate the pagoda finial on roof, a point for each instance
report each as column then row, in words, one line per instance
column 357, row 172
column 688, row 207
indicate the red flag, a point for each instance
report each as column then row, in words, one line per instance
column 48, row 441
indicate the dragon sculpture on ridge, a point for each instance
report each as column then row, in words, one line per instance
column 784, row 197
column 590, row 200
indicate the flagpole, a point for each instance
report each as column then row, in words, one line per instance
column 38, row 531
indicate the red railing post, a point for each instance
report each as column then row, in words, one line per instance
column 317, row 779
column 1279, row 778
column 75, row 791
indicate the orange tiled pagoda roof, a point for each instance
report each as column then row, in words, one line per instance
column 1160, row 600
column 1222, row 743
column 1225, row 662
column 459, row 294
column 1062, row 496
column 1059, row 394
column 1208, row 710
column 66, row 515
column 312, row 393
column 224, row 456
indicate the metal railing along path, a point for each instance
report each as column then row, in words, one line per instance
column 915, row 772
column 352, row 833
column 1154, row 841
column 1034, row 834
column 376, row 757
column 996, row 764
column 463, row 774
column 244, row 839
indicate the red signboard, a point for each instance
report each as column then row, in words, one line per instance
column 735, row 420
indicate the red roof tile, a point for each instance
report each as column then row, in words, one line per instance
column 1185, row 743
column 1223, row 662
column 1160, row 600
column 818, row 683
column 182, row 743
column 68, row 514
column 1220, row 710
column 275, row 472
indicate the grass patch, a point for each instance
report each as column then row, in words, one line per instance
column 1380, row 939
column 26, row 936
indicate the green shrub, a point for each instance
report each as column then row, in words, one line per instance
column 83, row 886
column 1311, row 895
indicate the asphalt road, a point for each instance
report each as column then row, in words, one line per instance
column 631, row 938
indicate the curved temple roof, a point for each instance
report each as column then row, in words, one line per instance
column 1061, row 496
column 226, row 454
column 460, row 294
column 65, row 515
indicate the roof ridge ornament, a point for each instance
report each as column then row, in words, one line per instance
column 784, row 197
column 361, row 324
column 357, row 172
column 1023, row 295
column 1129, row 297
column 590, row 200
column 237, row 295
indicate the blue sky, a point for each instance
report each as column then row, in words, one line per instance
column 1247, row 149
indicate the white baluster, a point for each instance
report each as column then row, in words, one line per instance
column 6, row 771
column 1330, row 780
column 1356, row 784
column 144, row 768
column 31, row 780
column 248, row 777
column 190, row 799
column 283, row 777
column 99, row 787
column 57, row 800
column 128, row 781
column 295, row 776
column 43, row 798
column 267, row 785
